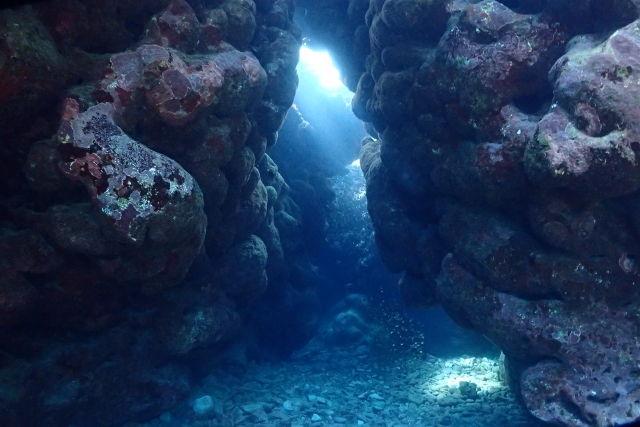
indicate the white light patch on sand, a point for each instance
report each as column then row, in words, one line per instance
column 320, row 64
column 449, row 372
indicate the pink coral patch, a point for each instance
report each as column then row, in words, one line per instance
column 70, row 109
column 89, row 164
column 253, row 69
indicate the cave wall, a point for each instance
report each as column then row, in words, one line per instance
column 502, row 179
column 142, row 225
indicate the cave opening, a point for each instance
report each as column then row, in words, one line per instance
column 362, row 310
column 348, row 261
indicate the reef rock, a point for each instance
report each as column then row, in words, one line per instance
column 503, row 181
column 132, row 211
column 588, row 142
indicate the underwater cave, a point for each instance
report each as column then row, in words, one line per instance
column 308, row 213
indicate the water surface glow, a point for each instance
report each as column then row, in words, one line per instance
column 320, row 65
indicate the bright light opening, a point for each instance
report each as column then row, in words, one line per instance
column 320, row 65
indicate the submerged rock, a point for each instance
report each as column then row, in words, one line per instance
column 132, row 212
column 468, row 390
column 588, row 141
column 203, row 405
column 503, row 182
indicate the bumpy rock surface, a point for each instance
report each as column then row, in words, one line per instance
column 141, row 221
column 502, row 179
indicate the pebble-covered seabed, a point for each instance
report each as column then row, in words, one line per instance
column 319, row 387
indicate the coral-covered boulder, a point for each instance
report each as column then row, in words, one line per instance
column 143, row 198
column 177, row 89
column 589, row 141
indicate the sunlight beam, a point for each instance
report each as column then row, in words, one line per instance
column 320, row 65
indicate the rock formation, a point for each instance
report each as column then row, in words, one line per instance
column 141, row 221
column 502, row 179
